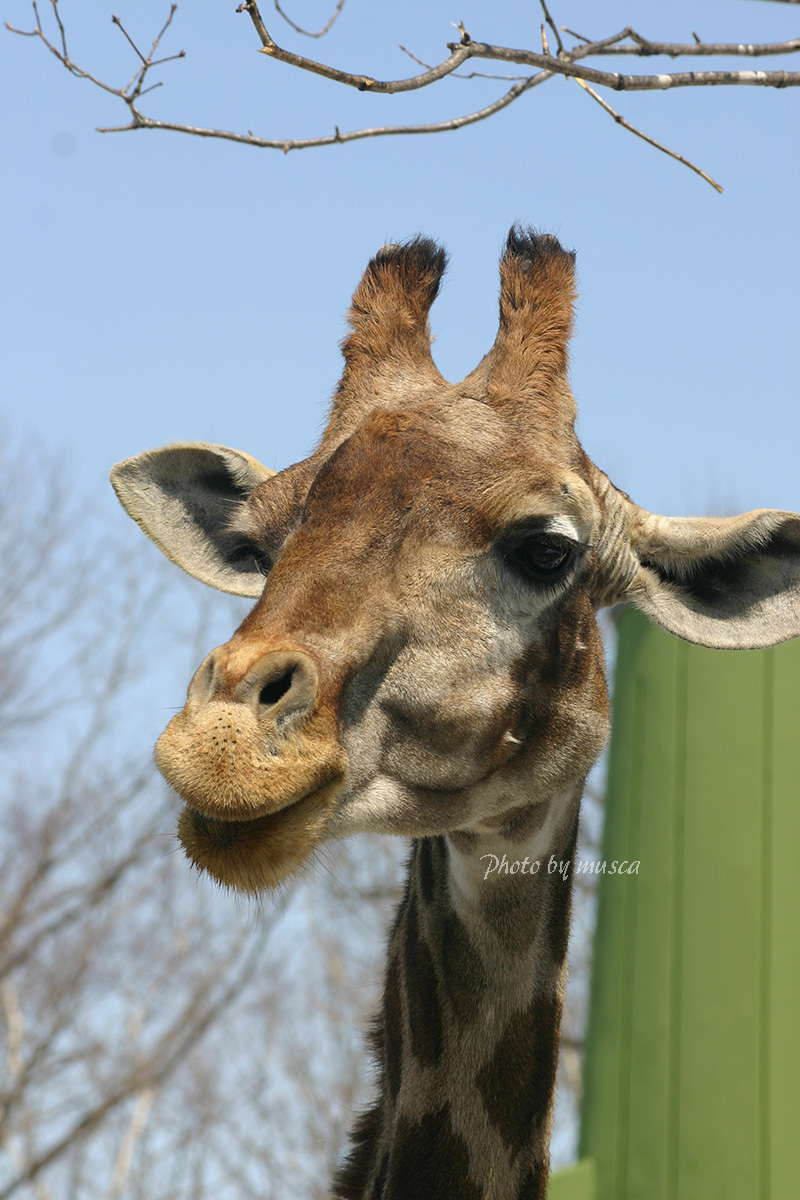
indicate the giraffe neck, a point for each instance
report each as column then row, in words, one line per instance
column 468, row 1034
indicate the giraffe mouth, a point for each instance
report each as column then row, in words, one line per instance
column 258, row 854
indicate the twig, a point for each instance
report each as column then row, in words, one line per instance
column 553, row 26
column 307, row 32
column 64, row 59
column 116, row 21
column 460, row 74
column 173, row 8
column 572, row 33
column 57, row 16
column 644, row 48
column 132, row 90
column 646, row 137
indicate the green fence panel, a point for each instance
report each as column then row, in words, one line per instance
column 574, row 1183
column 692, row 1087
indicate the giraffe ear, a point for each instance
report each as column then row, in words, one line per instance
column 731, row 583
column 184, row 497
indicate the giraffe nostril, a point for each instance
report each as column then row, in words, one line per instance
column 279, row 685
column 276, row 689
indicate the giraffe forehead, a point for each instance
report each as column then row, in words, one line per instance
column 450, row 469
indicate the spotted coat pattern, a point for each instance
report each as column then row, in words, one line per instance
column 467, row 1062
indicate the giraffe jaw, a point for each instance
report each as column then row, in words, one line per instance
column 255, row 855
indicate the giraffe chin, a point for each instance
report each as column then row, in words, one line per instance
column 256, row 855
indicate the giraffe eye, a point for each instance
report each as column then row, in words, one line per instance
column 539, row 557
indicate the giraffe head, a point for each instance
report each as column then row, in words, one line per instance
column 423, row 656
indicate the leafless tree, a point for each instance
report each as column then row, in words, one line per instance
column 581, row 60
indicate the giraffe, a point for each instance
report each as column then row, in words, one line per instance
column 423, row 660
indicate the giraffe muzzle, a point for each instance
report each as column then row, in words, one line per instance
column 251, row 742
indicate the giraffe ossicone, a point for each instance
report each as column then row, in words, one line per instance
column 423, row 659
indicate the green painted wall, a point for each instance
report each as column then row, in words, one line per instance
column 578, row 1182
column 693, row 1060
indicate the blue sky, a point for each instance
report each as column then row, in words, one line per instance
column 160, row 287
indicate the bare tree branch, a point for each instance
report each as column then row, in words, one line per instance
column 130, row 999
column 651, row 141
column 338, row 137
column 564, row 65
column 554, row 27
column 364, row 83
column 462, row 74
column 639, row 83
column 133, row 1135
column 546, row 65
column 643, row 48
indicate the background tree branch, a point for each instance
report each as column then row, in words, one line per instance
column 136, row 1005
column 569, row 62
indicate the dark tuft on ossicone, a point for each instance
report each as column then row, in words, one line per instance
column 419, row 260
column 525, row 244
